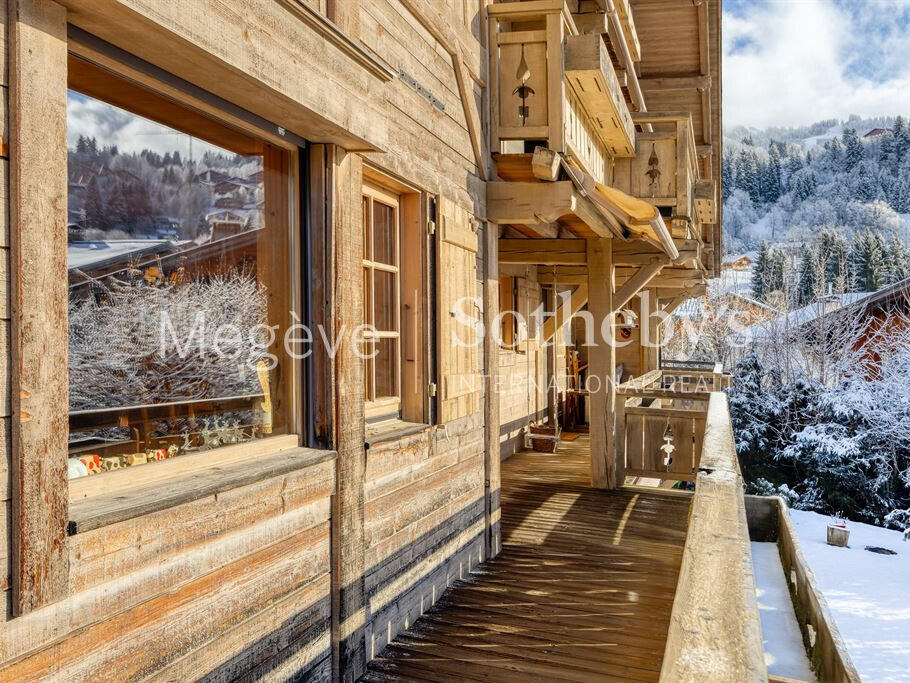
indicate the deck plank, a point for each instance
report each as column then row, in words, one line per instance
column 582, row 590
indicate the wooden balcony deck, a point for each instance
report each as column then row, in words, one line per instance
column 582, row 590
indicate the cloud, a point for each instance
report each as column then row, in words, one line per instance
column 793, row 62
column 112, row 126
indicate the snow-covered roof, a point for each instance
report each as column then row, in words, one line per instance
column 807, row 314
column 93, row 253
column 732, row 258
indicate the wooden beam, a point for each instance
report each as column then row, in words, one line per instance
column 491, row 457
column 597, row 217
column 635, row 283
column 565, row 312
column 669, row 277
column 591, row 22
column 38, row 195
column 605, row 472
column 537, row 230
column 529, row 202
column 670, row 83
column 562, row 275
column 552, row 252
column 640, row 252
column 440, row 29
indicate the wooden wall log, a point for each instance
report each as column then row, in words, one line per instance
column 38, row 193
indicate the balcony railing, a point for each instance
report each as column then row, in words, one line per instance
column 551, row 86
column 715, row 632
column 661, row 416
column 664, row 171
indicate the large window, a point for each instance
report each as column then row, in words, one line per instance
column 180, row 284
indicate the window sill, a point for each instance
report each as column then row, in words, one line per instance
column 391, row 431
column 115, row 506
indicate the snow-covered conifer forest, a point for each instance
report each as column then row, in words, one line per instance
column 823, row 213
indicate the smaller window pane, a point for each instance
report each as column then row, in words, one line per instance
column 368, row 372
column 386, row 365
column 367, row 297
column 385, row 234
column 367, row 247
column 385, row 296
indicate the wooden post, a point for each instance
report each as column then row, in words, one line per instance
column 650, row 321
column 38, row 205
column 602, row 364
column 491, row 461
column 349, row 610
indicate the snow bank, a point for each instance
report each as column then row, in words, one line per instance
column 785, row 654
column 868, row 594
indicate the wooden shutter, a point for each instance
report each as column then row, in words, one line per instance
column 459, row 367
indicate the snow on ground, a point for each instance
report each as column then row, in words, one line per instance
column 785, row 654
column 868, row 594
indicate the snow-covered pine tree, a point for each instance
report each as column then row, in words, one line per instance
column 834, row 252
column 868, row 261
column 901, row 134
column 747, row 174
column 777, row 269
column 728, row 184
column 760, row 270
column 771, row 185
column 809, row 285
column 853, row 149
column 867, row 187
column 898, row 263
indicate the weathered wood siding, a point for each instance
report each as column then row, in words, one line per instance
column 5, row 398
column 227, row 584
column 423, row 522
column 239, row 584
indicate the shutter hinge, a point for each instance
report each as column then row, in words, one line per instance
column 431, row 228
column 431, row 389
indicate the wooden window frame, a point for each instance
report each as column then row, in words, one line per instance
column 41, row 493
column 412, row 405
column 384, row 407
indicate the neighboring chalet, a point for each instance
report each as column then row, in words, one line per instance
column 871, row 322
column 739, row 261
column 315, row 506
column 876, row 132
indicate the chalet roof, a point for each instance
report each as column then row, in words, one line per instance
column 800, row 317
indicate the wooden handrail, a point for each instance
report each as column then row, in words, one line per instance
column 715, row 632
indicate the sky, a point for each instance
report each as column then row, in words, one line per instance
column 795, row 62
column 110, row 125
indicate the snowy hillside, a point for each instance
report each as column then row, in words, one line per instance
column 785, row 185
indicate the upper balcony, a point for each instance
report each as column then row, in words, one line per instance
column 553, row 87
column 664, row 172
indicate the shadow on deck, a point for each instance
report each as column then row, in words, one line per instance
column 582, row 590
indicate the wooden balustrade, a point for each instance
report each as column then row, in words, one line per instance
column 555, row 87
column 663, row 407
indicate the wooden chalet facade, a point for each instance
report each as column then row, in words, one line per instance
column 402, row 164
